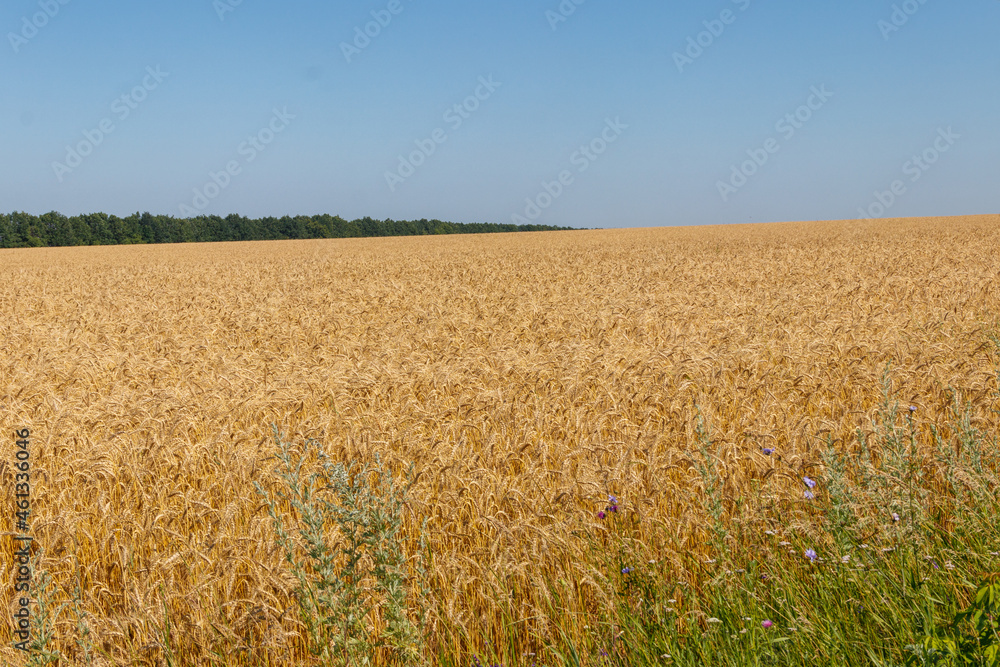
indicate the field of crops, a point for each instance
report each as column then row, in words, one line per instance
column 696, row 375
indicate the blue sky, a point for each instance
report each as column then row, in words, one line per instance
column 595, row 114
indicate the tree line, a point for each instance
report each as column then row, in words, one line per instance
column 22, row 230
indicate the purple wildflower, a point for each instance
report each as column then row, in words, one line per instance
column 810, row 483
column 913, row 408
column 601, row 515
column 767, row 624
column 809, row 495
column 768, row 451
column 811, row 555
column 895, row 517
column 626, row 570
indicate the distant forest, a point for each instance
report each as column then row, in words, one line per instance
column 21, row 230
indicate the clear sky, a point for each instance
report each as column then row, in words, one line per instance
column 597, row 114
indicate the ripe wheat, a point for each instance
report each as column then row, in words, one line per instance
column 526, row 378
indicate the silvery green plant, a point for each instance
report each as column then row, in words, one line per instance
column 891, row 477
column 968, row 463
column 83, row 640
column 713, row 483
column 900, row 475
column 841, row 517
column 43, row 623
column 342, row 583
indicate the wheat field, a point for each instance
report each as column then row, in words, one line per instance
column 526, row 378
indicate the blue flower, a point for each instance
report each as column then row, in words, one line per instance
column 809, row 495
column 626, row 570
column 811, row 555
column 810, row 483
column 768, row 451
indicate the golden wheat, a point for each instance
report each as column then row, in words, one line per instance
column 526, row 376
